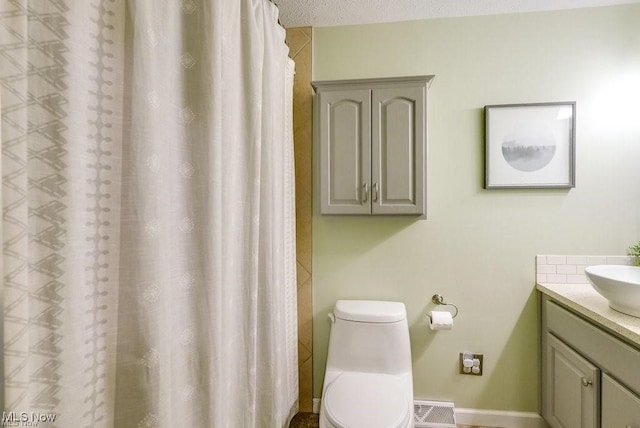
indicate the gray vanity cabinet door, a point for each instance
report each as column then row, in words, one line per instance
column 398, row 144
column 345, row 151
column 620, row 407
column 571, row 388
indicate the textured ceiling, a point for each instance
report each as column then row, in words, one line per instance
column 323, row 13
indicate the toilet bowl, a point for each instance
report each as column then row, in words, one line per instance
column 366, row 400
column 368, row 379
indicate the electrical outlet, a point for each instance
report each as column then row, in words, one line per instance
column 470, row 363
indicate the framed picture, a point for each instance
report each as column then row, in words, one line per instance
column 530, row 145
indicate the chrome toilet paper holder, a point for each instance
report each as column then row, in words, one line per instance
column 439, row 300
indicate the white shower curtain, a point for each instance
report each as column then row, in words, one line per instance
column 148, row 219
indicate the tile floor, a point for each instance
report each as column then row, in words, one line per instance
column 305, row 420
column 310, row 420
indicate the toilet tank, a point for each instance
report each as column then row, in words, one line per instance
column 369, row 336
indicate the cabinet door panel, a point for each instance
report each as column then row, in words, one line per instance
column 571, row 388
column 620, row 407
column 345, row 153
column 398, row 150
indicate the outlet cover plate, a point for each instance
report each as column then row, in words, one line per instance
column 473, row 356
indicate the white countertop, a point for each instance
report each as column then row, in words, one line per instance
column 583, row 299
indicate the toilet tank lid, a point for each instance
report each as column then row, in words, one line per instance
column 370, row 311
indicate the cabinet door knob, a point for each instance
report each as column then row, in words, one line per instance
column 375, row 192
column 586, row 382
column 365, row 192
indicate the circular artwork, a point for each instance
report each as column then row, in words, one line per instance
column 529, row 151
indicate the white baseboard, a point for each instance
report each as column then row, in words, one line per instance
column 499, row 418
column 487, row 418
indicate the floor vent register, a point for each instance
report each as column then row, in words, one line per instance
column 434, row 414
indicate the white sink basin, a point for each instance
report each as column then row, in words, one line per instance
column 619, row 284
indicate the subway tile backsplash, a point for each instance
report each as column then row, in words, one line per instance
column 570, row 269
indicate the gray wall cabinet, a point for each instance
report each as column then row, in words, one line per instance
column 589, row 376
column 373, row 139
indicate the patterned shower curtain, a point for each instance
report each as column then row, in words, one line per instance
column 148, row 220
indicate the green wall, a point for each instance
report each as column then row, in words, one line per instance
column 477, row 246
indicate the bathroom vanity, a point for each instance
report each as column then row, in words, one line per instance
column 590, row 360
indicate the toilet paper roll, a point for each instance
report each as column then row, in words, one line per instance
column 440, row 320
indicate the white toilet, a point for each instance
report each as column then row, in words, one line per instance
column 368, row 380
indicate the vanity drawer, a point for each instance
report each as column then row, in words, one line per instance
column 620, row 407
column 604, row 350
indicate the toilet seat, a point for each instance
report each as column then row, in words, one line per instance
column 371, row 400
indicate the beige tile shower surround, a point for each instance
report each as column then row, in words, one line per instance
column 299, row 40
